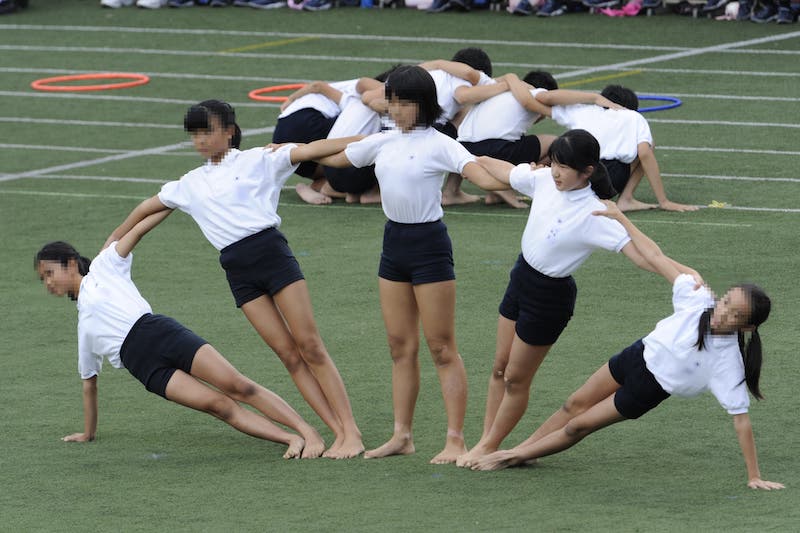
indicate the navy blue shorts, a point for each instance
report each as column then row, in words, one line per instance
column 157, row 346
column 303, row 126
column 525, row 150
column 416, row 253
column 540, row 305
column 261, row 264
column 640, row 391
column 619, row 172
column 352, row 180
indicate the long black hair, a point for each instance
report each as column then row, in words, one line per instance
column 62, row 252
column 579, row 149
column 414, row 84
column 198, row 118
column 760, row 306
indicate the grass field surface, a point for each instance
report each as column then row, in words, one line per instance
column 72, row 165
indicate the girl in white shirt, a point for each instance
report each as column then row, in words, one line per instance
column 701, row 346
column 115, row 322
column 560, row 235
column 234, row 199
column 416, row 279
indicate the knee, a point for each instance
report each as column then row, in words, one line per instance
column 221, row 407
column 242, row 388
column 574, row 406
column 313, row 350
column 443, row 351
column 575, row 430
column 402, row 347
column 290, row 357
column 514, row 384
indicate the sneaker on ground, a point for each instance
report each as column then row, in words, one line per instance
column 767, row 13
column 114, row 4
column 552, row 8
column 317, row 5
column 266, row 4
column 439, row 6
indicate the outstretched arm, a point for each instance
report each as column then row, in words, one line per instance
column 140, row 212
column 131, row 238
column 500, row 170
column 569, row 97
column 481, row 177
column 89, row 413
column 744, row 432
column 322, row 148
column 478, row 93
column 646, row 254
column 647, row 158
column 522, row 93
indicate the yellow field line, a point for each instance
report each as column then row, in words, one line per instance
column 600, row 78
column 268, row 44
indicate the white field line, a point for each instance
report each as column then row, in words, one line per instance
column 113, row 98
column 114, row 157
column 519, row 215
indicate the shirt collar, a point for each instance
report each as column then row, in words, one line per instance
column 229, row 158
column 579, row 194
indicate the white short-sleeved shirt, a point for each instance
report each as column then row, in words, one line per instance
column 109, row 304
column 235, row 198
column 683, row 370
column 562, row 232
column 320, row 102
column 619, row 131
column 355, row 119
column 411, row 168
column 498, row 117
column 446, row 85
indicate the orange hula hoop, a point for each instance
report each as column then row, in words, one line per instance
column 256, row 93
column 45, row 84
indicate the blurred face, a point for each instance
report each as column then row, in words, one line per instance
column 214, row 142
column 567, row 178
column 59, row 280
column 404, row 113
column 731, row 312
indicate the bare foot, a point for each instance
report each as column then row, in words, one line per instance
column 314, row 446
column 346, row 449
column 296, row 444
column 352, row 198
column 327, row 190
column 508, row 197
column 310, row 196
column 469, row 459
column 458, row 197
column 397, row 445
column 450, row 454
column 634, row 205
column 495, row 461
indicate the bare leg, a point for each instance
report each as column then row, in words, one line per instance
column 268, row 322
column 186, row 390
column 497, row 384
column 372, row 196
column 294, row 303
column 330, row 191
column 599, row 416
column 452, row 193
column 437, row 305
column 626, row 201
column 596, row 389
column 522, row 365
column 400, row 316
column 509, row 197
column 213, row 368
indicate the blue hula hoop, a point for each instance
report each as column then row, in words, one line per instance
column 673, row 102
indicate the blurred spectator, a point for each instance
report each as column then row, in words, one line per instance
column 10, row 6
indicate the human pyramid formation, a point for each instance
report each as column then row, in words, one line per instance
column 403, row 162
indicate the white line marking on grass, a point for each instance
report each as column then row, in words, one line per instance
column 727, row 150
column 60, row 148
column 27, row 120
column 681, row 55
column 71, row 96
column 730, row 178
column 723, row 123
column 170, row 75
column 115, row 157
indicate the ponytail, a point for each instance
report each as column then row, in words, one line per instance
column 62, row 252
column 752, row 357
column 579, row 149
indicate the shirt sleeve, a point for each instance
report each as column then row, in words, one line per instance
column 643, row 133
column 727, row 382
column 363, row 153
column 89, row 363
column 685, row 296
column 278, row 163
column 456, row 155
column 175, row 194
column 522, row 179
